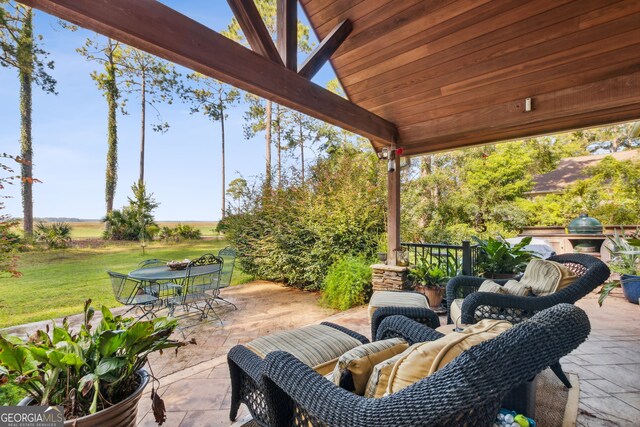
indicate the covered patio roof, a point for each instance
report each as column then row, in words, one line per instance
column 424, row 75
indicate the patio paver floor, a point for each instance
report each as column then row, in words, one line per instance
column 196, row 388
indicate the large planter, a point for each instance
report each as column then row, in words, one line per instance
column 631, row 287
column 122, row 414
column 434, row 295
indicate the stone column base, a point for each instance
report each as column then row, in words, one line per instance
column 389, row 278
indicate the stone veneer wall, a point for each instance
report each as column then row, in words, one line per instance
column 389, row 277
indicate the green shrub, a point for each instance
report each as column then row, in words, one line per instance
column 135, row 221
column 294, row 234
column 56, row 235
column 348, row 283
column 188, row 232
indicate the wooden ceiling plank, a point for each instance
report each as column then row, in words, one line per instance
column 426, row 41
column 522, row 62
column 402, row 26
column 618, row 62
column 322, row 53
column 367, row 13
column 611, row 93
column 574, row 122
column 151, row 26
column 253, row 28
column 287, row 20
column 551, row 24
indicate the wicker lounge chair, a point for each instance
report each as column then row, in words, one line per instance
column 468, row 391
column 591, row 273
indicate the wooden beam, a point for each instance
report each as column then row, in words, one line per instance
column 393, row 207
column 325, row 49
column 155, row 28
column 287, row 19
column 254, row 29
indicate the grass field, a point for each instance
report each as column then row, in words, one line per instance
column 56, row 284
column 94, row 229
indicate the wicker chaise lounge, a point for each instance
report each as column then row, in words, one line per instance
column 467, row 391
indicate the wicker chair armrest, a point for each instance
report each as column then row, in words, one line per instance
column 359, row 337
column 247, row 361
column 421, row 315
column 409, row 329
column 527, row 305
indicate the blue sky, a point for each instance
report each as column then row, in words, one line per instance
column 182, row 167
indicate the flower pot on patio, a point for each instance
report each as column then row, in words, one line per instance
column 434, row 295
column 631, row 287
column 122, row 414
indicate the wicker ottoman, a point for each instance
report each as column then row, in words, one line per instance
column 413, row 305
column 318, row 346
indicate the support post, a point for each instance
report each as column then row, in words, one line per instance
column 393, row 205
column 466, row 258
column 287, row 20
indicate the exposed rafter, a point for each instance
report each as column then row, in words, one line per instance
column 325, row 49
column 254, row 29
column 287, row 18
column 151, row 26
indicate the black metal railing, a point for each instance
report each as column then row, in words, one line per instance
column 463, row 257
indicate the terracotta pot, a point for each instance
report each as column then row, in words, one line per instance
column 122, row 414
column 434, row 295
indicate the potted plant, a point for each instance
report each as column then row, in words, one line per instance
column 625, row 261
column 96, row 375
column 497, row 259
column 430, row 279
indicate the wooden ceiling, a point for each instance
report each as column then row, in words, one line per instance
column 452, row 74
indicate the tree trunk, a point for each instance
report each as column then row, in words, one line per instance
column 143, row 91
column 111, row 177
column 25, row 61
column 223, row 159
column 279, row 148
column 301, row 142
column 267, row 177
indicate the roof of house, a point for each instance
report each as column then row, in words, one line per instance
column 571, row 169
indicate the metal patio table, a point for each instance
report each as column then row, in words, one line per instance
column 164, row 273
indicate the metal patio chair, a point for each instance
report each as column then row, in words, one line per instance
column 228, row 255
column 199, row 287
column 159, row 288
column 131, row 292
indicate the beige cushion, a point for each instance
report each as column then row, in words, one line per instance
column 546, row 277
column 423, row 359
column 318, row 346
column 567, row 276
column 361, row 360
column 455, row 310
column 396, row 299
column 491, row 286
column 519, row 289
column 377, row 384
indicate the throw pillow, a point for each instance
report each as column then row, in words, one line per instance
column 377, row 384
column 545, row 277
column 491, row 286
column 354, row 367
column 519, row 289
column 423, row 359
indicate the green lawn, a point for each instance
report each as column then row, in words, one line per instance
column 54, row 284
